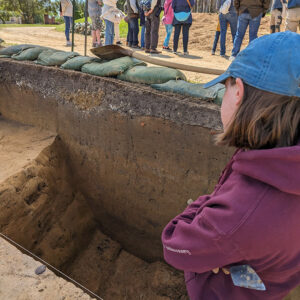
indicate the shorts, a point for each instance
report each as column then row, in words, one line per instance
column 276, row 17
column 96, row 23
column 293, row 19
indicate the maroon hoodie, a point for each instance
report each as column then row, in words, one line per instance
column 253, row 218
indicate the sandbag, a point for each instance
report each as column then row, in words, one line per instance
column 9, row 51
column 54, row 57
column 151, row 75
column 77, row 62
column 214, row 93
column 111, row 68
column 29, row 54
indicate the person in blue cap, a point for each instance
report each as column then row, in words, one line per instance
column 249, row 226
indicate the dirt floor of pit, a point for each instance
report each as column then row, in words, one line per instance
column 202, row 34
column 41, row 210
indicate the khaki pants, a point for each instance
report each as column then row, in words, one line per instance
column 276, row 17
column 293, row 19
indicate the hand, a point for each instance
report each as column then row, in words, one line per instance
column 225, row 271
column 149, row 12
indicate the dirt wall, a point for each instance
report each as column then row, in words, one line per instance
column 135, row 154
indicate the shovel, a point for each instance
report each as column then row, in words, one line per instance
column 115, row 51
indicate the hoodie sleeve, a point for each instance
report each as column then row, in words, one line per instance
column 192, row 244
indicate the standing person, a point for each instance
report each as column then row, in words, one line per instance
column 216, row 39
column 276, row 15
column 167, row 20
column 252, row 216
column 133, row 24
column 94, row 9
column 152, row 27
column 230, row 18
column 108, row 17
column 66, row 11
column 182, row 19
column 293, row 15
column 250, row 13
column 143, row 27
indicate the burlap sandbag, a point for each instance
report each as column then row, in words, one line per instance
column 111, row 68
column 54, row 57
column 29, row 54
column 9, row 51
column 77, row 62
column 214, row 93
column 151, row 75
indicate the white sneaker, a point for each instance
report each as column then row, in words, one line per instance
column 68, row 44
column 232, row 58
column 186, row 53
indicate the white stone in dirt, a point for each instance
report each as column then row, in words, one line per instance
column 18, row 280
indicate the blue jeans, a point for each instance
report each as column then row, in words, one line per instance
column 185, row 36
column 232, row 19
column 169, row 29
column 68, row 22
column 143, row 36
column 109, row 32
column 217, row 35
column 133, row 32
column 243, row 21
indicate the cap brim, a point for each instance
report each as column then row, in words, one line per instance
column 220, row 79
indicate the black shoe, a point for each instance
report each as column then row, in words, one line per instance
column 136, row 47
column 119, row 43
column 147, row 50
column 155, row 51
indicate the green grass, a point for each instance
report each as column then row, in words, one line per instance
column 26, row 25
column 123, row 26
column 61, row 27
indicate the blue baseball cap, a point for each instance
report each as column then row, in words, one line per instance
column 270, row 63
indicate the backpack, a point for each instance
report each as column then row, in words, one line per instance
column 145, row 5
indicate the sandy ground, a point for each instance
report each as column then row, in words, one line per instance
column 19, row 145
column 201, row 39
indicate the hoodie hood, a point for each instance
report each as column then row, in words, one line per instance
column 278, row 167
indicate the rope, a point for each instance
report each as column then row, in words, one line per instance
column 51, row 267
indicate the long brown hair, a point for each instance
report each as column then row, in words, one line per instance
column 263, row 120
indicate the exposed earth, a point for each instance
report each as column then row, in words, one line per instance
column 202, row 35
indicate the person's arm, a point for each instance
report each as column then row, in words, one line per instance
column 153, row 3
column 192, row 2
column 236, row 4
column 133, row 6
column 265, row 5
column 191, row 243
column 173, row 4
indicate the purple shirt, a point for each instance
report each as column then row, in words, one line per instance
column 252, row 217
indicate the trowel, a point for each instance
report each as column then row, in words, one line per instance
column 244, row 276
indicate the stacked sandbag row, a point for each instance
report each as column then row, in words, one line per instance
column 124, row 68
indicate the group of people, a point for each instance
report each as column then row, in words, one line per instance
column 98, row 10
column 177, row 14
column 241, row 14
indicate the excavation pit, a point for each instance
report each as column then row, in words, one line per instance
column 120, row 160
